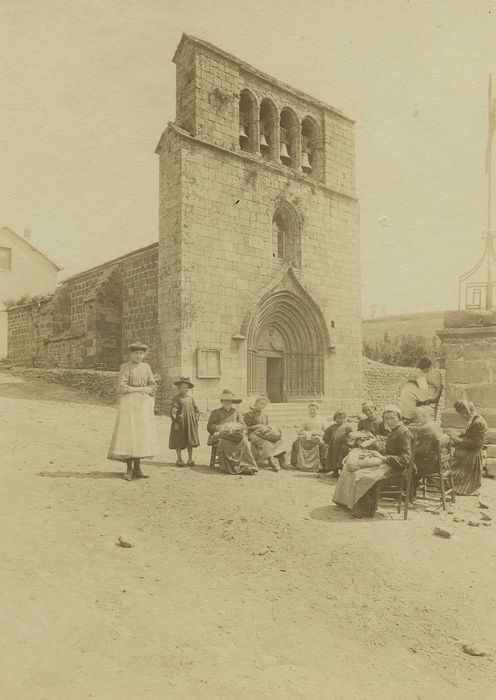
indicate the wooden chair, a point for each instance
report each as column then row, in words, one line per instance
column 440, row 481
column 399, row 489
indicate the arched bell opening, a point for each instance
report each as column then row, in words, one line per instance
column 247, row 122
column 311, row 148
column 289, row 139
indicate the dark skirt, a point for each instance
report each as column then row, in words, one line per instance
column 366, row 506
column 236, row 457
column 467, row 471
column 184, row 432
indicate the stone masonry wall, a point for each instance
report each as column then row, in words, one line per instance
column 224, row 233
column 469, row 349
column 382, row 383
column 140, row 302
column 22, row 334
column 216, row 233
column 92, row 318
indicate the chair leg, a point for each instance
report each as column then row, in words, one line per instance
column 441, row 485
column 452, row 487
column 408, row 491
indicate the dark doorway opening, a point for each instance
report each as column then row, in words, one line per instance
column 275, row 379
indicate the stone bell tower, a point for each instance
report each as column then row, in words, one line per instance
column 259, row 266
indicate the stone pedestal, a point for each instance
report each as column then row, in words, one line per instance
column 469, row 349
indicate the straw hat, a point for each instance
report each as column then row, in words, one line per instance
column 184, row 380
column 229, row 396
column 138, row 346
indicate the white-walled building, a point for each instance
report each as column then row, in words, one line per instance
column 23, row 270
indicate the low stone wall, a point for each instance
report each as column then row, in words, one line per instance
column 99, row 384
column 382, row 383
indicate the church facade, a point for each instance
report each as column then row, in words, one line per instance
column 259, row 270
column 255, row 285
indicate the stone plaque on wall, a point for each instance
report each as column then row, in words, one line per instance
column 207, row 363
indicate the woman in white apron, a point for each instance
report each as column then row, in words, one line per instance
column 134, row 434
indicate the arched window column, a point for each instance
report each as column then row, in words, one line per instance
column 268, row 129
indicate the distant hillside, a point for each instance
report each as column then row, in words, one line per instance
column 421, row 324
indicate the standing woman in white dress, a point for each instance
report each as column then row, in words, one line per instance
column 134, row 433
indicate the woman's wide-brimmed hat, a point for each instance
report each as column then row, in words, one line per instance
column 184, row 380
column 229, row 396
column 138, row 346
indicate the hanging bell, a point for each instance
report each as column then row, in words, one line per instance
column 305, row 163
column 285, row 157
column 263, row 141
column 243, row 134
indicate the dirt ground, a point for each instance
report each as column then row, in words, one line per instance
column 236, row 588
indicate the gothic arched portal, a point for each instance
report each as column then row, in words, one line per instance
column 287, row 339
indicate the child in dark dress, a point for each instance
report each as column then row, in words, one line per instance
column 184, row 427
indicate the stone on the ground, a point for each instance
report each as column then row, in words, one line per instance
column 483, row 505
column 474, row 523
column 441, row 532
column 473, row 650
column 124, row 543
column 486, row 517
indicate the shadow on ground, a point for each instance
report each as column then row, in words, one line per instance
column 83, row 475
column 333, row 514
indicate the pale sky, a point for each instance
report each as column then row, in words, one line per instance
column 87, row 87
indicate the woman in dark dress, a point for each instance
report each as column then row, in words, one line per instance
column 467, row 459
column 227, row 431
column 184, row 426
column 396, row 458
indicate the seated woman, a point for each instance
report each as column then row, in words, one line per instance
column 428, row 435
column 433, row 379
column 336, row 439
column 372, row 423
column 412, row 395
column 266, row 442
column 308, row 451
column 467, row 458
column 359, row 488
column 227, row 430
column 361, row 470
